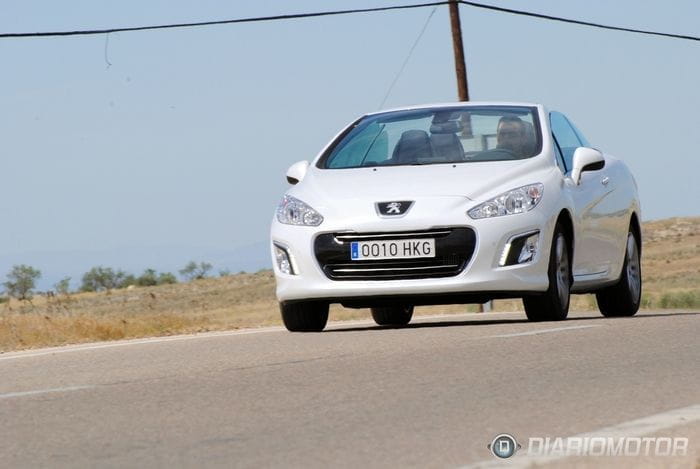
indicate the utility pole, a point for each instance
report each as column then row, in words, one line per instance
column 460, row 66
column 461, row 71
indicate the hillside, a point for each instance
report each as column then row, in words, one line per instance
column 670, row 265
column 671, row 255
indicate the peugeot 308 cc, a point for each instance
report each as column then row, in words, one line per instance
column 456, row 203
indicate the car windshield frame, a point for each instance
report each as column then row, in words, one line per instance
column 363, row 122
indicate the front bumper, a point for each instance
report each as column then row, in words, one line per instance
column 481, row 279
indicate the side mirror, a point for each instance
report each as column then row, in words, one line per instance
column 297, row 171
column 586, row 159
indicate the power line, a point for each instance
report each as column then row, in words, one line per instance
column 345, row 12
column 579, row 22
column 89, row 32
column 405, row 62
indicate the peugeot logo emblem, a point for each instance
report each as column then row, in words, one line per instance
column 393, row 209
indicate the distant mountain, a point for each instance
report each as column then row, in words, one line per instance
column 55, row 265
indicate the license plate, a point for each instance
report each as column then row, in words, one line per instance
column 392, row 249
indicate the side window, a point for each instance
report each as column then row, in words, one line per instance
column 565, row 136
column 579, row 134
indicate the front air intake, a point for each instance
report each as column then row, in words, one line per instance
column 454, row 248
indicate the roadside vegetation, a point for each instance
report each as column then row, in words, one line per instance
column 20, row 282
column 106, row 279
column 112, row 304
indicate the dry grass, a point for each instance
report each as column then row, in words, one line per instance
column 231, row 302
column 670, row 263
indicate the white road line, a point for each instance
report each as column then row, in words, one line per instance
column 43, row 391
column 631, row 429
column 261, row 330
column 154, row 340
column 541, row 331
column 204, row 335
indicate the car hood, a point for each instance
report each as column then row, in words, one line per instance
column 466, row 180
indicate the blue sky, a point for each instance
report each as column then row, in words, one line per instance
column 184, row 140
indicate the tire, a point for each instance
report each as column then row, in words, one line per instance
column 392, row 315
column 553, row 305
column 623, row 298
column 304, row 316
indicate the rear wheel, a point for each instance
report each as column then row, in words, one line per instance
column 304, row 316
column 392, row 315
column 623, row 298
column 553, row 305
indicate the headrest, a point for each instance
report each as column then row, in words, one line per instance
column 449, row 127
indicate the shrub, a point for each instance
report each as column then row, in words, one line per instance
column 166, row 278
column 104, row 278
column 195, row 271
column 149, row 278
column 21, row 281
column 62, row 286
column 128, row 280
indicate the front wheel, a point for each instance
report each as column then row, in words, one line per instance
column 553, row 305
column 623, row 298
column 304, row 316
column 392, row 315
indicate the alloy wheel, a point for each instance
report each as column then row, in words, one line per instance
column 562, row 266
column 634, row 278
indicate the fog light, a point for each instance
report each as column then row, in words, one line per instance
column 284, row 264
column 529, row 249
column 520, row 249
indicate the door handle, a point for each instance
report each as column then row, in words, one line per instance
column 605, row 181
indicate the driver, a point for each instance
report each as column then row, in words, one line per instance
column 510, row 135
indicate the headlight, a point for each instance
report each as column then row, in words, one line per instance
column 292, row 211
column 517, row 200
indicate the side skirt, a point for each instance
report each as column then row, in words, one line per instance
column 590, row 283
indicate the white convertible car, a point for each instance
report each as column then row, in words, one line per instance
column 456, row 203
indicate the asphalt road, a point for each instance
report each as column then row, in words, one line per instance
column 433, row 394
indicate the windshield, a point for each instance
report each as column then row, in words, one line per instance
column 437, row 135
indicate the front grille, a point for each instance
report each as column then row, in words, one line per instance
column 454, row 248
